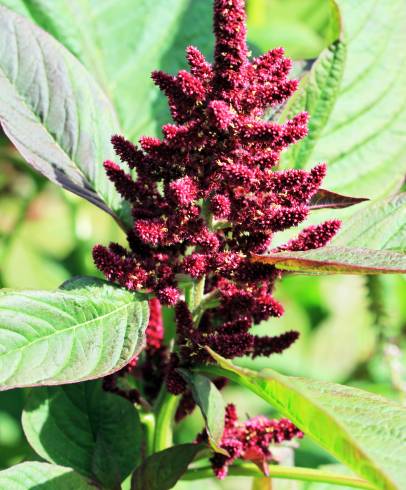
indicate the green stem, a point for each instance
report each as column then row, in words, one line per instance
column 210, row 300
column 283, row 472
column 194, row 294
column 164, row 412
column 148, row 421
column 198, row 292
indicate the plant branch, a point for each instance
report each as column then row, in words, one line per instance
column 165, row 409
column 148, row 422
column 198, row 292
column 283, row 472
column 210, row 300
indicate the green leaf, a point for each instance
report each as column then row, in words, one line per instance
column 163, row 469
column 98, row 434
column 60, row 121
column 263, row 484
column 380, row 225
column 363, row 140
column 302, row 27
column 121, row 42
column 317, row 95
column 41, row 476
column 211, row 404
column 364, row 431
column 337, row 260
column 64, row 336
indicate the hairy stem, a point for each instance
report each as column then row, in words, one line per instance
column 198, row 292
column 148, row 422
column 284, row 472
column 166, row 405
column 210, row 300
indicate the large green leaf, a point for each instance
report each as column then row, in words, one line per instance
column 380, row 225
column 41, row 476
column 121, row 42
column 85, row 428
column 363, row 139
column 337, row 260
column 364, row 431
column 63, row 336
column 55, row 113
column 317, row 95
column 163, row 469
column 302, row 27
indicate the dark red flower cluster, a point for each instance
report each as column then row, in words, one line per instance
column 207, row 196
column 249, row 440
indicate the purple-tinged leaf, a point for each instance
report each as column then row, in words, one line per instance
column 337, row 260
column 55, row 114
column 162, row 470
column 328, row 199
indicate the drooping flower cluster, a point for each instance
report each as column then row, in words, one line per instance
column 208, row 195
column 250, row 440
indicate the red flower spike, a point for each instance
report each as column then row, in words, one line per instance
column 155, row 328
column 220, row 206
column 313, row 236
column 220, row 115
column 168, row 295
column 216, row 160
column 196, row 265
column 250, row 440
column 199, row 67
column 121, row 180
column 183, row 191
column 126, row 150
column 230, row 51
column 266, row 346
column 152, row 232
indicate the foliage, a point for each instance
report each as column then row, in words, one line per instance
column 71, row 76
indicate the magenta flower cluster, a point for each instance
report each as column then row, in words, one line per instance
column 208, row 195
column 249, row 440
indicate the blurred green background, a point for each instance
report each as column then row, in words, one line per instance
column 351, row 327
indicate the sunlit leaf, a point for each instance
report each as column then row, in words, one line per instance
column 121, row 42
column 363, row 139
column 62, row 336
column 364, row 431
column 317, row 95
column 302, row 27
column 380, row 225
column 44, row 476
column 60, row 121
